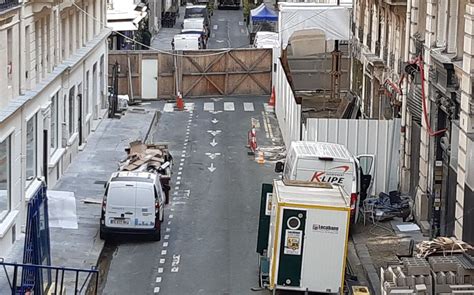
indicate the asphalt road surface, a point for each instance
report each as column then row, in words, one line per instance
column 228, row 30
column 210, row 229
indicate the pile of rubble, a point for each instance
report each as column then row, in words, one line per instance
column 452, row 274
column 153, row 158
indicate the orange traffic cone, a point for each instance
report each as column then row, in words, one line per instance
column 271, row 102
column 261, row 159
column 180, row 102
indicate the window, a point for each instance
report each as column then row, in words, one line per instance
column 5, row 178
column 31, row 149
column 54, row 122
column 9, row 56
column 87, row 93
column 71, row 110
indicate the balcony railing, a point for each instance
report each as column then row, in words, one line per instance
column 6, row 4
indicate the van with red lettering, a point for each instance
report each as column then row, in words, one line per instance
column 330, row 163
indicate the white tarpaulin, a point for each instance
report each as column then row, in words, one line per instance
column 62, row 209
column 333, row 20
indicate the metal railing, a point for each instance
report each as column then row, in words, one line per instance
column 63, row 279
column 6, row 4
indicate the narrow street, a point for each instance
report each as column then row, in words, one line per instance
column 228, row 30
column 210, row 230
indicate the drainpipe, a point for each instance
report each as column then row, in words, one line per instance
column 406, row 57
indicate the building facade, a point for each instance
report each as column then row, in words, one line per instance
column 414, row 59
column 53, row 65
column 443, row 38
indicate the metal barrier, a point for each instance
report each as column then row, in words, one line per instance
column 85, row 281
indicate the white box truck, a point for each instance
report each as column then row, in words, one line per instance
column 331, row 163
column 303, row 236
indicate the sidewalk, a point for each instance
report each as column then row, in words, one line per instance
column 85, row 177
column 162, row 40
column 377, row 245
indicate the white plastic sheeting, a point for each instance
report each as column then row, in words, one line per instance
column 288, row 112
column 333, row 20
column 62, row 209
column 377, row 137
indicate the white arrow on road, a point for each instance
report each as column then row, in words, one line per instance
column 215, row 112
column 212, row 168
column 214, row 132
column 214, row 121
column 213, row 155
column 213, row 142
column 216, row 99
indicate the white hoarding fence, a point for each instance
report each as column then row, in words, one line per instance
column 378, row 137
column 288, row 112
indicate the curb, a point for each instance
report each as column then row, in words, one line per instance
column 370, row 272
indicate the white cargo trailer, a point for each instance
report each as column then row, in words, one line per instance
column 302, row 236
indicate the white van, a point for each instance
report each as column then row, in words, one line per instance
column 133, row 204
column 333, row 163
column 187, row 42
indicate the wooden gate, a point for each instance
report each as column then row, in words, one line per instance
column 197, row 73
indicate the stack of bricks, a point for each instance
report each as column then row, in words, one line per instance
column 409, row 278
column 447, row 272
column 435, row 275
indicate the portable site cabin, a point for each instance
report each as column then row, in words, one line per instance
column 302, row 236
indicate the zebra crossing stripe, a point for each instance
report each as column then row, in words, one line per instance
column 248, row 107
column 169, row 107
column 229, row 106
column 208, row 106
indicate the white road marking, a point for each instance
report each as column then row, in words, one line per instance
column 175, row 269
column 185, row 144
column 213, row 35
column 179, row 173
column 175, row 193
column 220, row 41
column 163, row 252
column 180, row 168
column 157, row 289
column 167, row 237
column 229, row 106
column 171, row 216
column 214, row 132
column 158, row 279
column 215, row 112
column 162, row 261
column 168, row 229
column 181, row 164
column 176, row 187
column 160, row 270
column 214, row 27
column 182, row 160
column 213, row 142
column 248, row 107
column 216, row 99
column 208, row 106
column 212, row 168
column 189, row 106
column 165, row 244
column 214, row 121
column 213, row 155
column 178, row 182
column 169, row 222
column 242, row 31
column 169, row 107
column 178, row 178
column 241, row 23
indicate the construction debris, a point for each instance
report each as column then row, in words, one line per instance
column 153, row 158
column 147, row 157
column 442, row 245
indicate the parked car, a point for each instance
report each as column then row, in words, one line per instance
column 265, row 39
column 187, row 42
column 133, row 204
column 196, row 26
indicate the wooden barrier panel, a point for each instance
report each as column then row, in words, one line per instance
column 195, row 73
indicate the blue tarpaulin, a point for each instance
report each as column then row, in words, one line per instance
column 263, row 13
